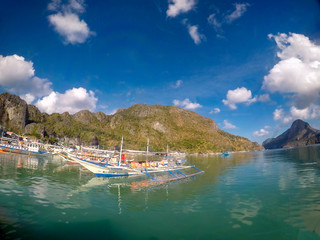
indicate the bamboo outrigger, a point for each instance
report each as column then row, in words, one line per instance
column 117, row 166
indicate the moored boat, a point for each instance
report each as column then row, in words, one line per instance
column 115, row 165
column 225, row 154
column 29, row 148
column 111, row 169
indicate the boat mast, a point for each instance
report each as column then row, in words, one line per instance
column 1, row 135
column 167, row 151
column 147, row 149
column 120, row 151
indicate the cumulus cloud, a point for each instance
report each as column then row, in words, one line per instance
column 29, row 98
column 187, row 104
column 262, row 132
column 13, row 68
column 70, row 27
column 278, row 114
column 67, row 23
column 239, row 95
column 18, row 76
column 71, row 101
column 297, row 74
column 177, row 7
column 228, row 125
column 215, row 110
column 311, row 112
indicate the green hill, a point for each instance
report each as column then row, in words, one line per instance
column 181, row 129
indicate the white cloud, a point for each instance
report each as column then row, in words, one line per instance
column 262, row 132
column 239, row 95
column 228, row 125
column 102, row 106
column 73, row 5
column 177, row 7
column 194, row 34
column 297, row 46
column 29, row 98
column 240, row 9
column 187, row 104
column 263, row 98
column 178, row 84
column 311, row 112
column 67, row 23
column 70, row 27
column 212, row 19
column 112, row 112
column 17, row 76
column 54, row 5
column 76, row 5
column 215, row 110
column 13, row 68
column 71, row 101
column 217, row 20
column 282, row 116
column 298, row 71
column 278, row 114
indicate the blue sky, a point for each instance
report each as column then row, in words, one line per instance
column 252, row 66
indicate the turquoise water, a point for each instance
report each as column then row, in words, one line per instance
column 261, row 195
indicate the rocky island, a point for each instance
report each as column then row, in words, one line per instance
column 299, row 134
column 183, row 130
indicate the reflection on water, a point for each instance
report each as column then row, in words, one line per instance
column 261, row 195
column 245, row 210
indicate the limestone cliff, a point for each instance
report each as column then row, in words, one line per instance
column 13, row 112
column 299, row 134
column 183, row 130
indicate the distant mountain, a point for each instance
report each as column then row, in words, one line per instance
column 299, row 134
column 181, row 129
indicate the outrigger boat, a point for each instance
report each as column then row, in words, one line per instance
column 29, row 148
column 117, row 166
column 133, row 168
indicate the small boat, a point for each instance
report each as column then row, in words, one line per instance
column 225, row 154
column 29, row 148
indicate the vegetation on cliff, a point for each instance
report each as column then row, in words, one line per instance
column 183, row 130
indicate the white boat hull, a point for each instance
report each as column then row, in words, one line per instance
column 114, row 171
column 19, row 150
column 105, row 170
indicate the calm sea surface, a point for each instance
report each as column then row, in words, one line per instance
column 260, row 195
